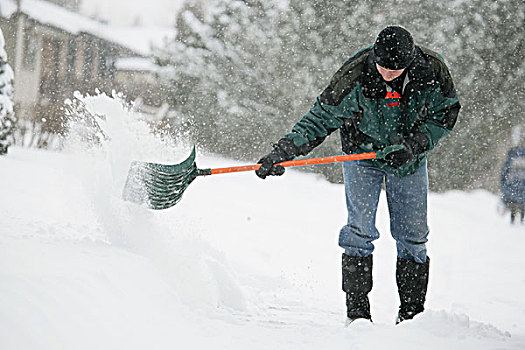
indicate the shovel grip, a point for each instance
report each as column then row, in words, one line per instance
column 299, row 162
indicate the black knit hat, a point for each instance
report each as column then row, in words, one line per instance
column 394, row 48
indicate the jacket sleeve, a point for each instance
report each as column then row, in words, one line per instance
column 314, row 127
column 442, row 109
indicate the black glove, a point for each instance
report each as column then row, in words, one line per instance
column 416, row 144
column 284, row 150
column 401, row 157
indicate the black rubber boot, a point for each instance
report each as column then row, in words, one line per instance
column 357, row 283
column 412, row 282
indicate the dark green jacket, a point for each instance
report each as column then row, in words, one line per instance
column 370, row 118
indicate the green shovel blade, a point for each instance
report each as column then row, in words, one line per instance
column 160, row 186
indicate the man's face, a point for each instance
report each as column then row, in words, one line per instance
column 387, row 74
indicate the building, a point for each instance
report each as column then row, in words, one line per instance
column 55, row 51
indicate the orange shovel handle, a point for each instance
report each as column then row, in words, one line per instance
column 299, row 162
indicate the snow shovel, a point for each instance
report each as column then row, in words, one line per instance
column 160, row 186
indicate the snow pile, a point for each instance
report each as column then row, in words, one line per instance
column 239, row 263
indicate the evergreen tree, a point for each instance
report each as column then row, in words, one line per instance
column 7, row 116
column 224, row 65
column 487, row 49
column 243, row 72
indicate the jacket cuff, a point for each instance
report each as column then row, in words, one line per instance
column 288, row 148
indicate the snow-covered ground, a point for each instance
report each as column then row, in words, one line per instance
column 239, row 263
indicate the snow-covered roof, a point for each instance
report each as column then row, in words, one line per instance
column 138, row 39
column 128, row 12
column 136, row 64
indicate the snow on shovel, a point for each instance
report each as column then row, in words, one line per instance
column 160, row 186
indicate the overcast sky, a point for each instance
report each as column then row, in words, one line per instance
column 129, row 12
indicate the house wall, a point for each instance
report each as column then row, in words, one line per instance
column 140, row 84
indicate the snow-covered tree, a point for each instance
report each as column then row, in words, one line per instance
column 7, row 116
column 220, row 73
column 243, row 72
column 487, row 48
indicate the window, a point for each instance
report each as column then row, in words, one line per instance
column 88, row 61
column 104, row 61
column 56, row 50
column 71, row 58
column 30, row 49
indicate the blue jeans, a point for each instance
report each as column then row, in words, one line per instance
column 407, row 204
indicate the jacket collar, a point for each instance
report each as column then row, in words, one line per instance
column 420, row 76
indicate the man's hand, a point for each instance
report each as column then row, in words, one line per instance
column 416, row 144
column 268, row 167
column 282, row 151
column 399, row 158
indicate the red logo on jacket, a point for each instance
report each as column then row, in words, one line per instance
column 392, row 94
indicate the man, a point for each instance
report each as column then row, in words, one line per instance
column 513, row 183
column 393, row 92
